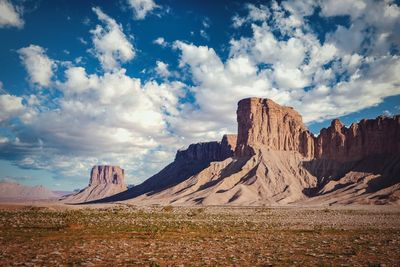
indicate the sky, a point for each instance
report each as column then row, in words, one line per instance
column 129, row 82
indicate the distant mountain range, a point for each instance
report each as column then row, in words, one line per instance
column 10, row 191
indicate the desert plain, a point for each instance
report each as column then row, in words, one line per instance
column 120, row 234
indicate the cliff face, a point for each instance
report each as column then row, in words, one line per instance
column 209, row 151
column 366, row 138
column 264, row 124
column 105, row 174
column 104, row 181
column 228, row 145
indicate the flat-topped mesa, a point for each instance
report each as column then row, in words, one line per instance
column 368, row 137
column 105, row 174
column 105, row 181
column 209, row 151
column 264, row 124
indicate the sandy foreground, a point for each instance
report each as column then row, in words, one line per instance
column 52, row 234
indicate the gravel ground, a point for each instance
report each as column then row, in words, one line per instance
column 184, row 236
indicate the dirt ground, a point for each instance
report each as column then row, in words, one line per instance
column 120, row 234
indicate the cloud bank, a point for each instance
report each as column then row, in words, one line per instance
column 111, row 117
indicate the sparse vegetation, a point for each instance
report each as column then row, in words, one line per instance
column 153, row 236
column 168, row 208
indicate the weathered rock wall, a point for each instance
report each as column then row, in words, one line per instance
column 264, row 124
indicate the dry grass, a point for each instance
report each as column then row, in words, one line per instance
column 162, row 236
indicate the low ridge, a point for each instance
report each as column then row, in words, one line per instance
column 187, row 163
column 11, row 191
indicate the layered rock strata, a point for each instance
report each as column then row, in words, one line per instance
column 263, row 123
column 104, row 174
column 368, row 137
column 209, row 151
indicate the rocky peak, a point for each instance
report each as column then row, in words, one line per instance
column 262, row 123
column 337, row 125
column 105, row 174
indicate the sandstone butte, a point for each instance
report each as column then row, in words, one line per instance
column 274, row 159
column 104, row 181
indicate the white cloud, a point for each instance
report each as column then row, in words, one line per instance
column 289, row 78
column 260, row 13
column 238, row 21
column 160, row 41
column 204, row 34
column 141, row 8
column 387, row 113
column 343, row 7
column 10, row 16
column 111, row 45
column 10, row 106
column 110, row 118
column 255, row 13
column 162, row 69
column 38, row 64
column 218, row 87
column 375, row 25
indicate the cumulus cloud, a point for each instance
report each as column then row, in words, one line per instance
column 10, row 16
column 39, row 66
column 10, row 106
column 254, row 13
column 375, row 26
column 109, row 118
column 162, row 69
column 160, row 41
column 111, row 46
column 141, row 8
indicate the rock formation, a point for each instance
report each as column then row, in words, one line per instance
column 263, row 123
column 366, row 138
column 187, row 162
column 105, row 174
column 208, row 151
column 276, row 160
column 104, row 181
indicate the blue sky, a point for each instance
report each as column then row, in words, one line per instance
column 129, row 82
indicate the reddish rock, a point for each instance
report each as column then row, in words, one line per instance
column 105, row 174
column 228, row 145
column 209, row 151
column 187, row 162
column 366, row 138
column 264, row 124
column 104, row 181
